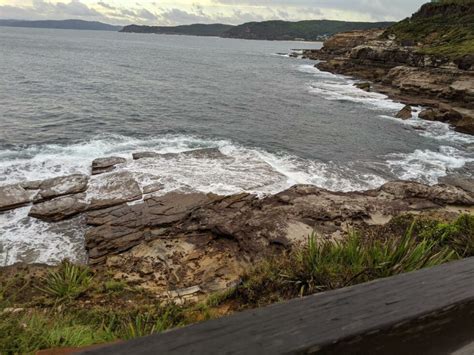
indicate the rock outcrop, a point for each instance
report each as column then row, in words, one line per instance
column 104, row 191
column 181, row 244
column 13, row 196
column 406, row 70
column 207, row 240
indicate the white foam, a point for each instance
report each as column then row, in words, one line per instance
column 426, row 165
column 33, row 241
column 346, row 91
column 340, row 88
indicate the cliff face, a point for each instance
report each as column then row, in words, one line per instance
column 410, row 69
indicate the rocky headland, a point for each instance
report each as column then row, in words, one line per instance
column 191, row 244
column 426, row 60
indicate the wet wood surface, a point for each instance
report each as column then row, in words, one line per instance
column 430, row 311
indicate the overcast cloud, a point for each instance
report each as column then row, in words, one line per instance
column 209, row 11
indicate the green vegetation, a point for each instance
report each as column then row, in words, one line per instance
column 68, row 282
column 445, row 28
column 306, row 30
column 191, row 30
column 269, row 30
column 73, row 306
column 322, row 266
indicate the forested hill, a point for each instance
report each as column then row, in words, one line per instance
column 62, row 24
column 268, row 30
column 313, row 30
column 193, row 30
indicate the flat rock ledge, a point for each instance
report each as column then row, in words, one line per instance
column 204, row 241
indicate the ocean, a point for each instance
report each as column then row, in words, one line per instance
column 67, row 97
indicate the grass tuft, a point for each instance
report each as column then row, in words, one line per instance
column 68, row 282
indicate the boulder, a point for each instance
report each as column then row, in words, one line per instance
column 405, row 113
column 142, row 155
column 13, row 196
column 59, row 208
column 103, row 165
column 465, row 62
column 64, row 185
column 430, row 114
column 363, row 86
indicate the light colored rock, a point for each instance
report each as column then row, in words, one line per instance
column 113, row 189
column 13, row 196
column 60, row 186
column 59, row 208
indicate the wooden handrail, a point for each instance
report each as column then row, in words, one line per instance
column 430, row 311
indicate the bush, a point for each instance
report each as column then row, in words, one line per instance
column 325, row 265
column 68, row 282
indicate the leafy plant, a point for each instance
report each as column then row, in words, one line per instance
column 68, row 282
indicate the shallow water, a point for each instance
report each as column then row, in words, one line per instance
column 67, row 97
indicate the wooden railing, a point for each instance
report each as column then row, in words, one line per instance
column 430, row 311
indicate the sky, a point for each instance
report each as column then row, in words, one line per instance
column 179, row 12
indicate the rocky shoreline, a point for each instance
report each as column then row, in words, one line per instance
column 445, row 87
column 188, row 244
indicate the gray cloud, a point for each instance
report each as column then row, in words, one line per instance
column 375, row 9
column 223, row 11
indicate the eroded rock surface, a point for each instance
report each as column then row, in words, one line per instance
column 179, row 241
column 405, row 73
column 103, row 191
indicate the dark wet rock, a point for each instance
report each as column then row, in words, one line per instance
column 113, row 189
column 142, row 155
column 466, row 62
column 103, row 165
column 13, row 196
column 60, row 208
column 366, row 86
column 405, row 113
column 64, row 185
column 429, row 114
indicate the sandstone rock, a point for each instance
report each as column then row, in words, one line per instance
column 103, row 165
column 405, row 113
column 148, row 189
column 440, row 194
column 31, row 185
column 60, row 186
column 113, row 189
column 429, row 114
column 59, row 208
column 251, row 224
column 460, row 181
column 13, row 196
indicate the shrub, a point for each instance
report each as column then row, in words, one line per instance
column 68, row 282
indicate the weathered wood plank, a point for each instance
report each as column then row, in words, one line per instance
column 430, row 311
